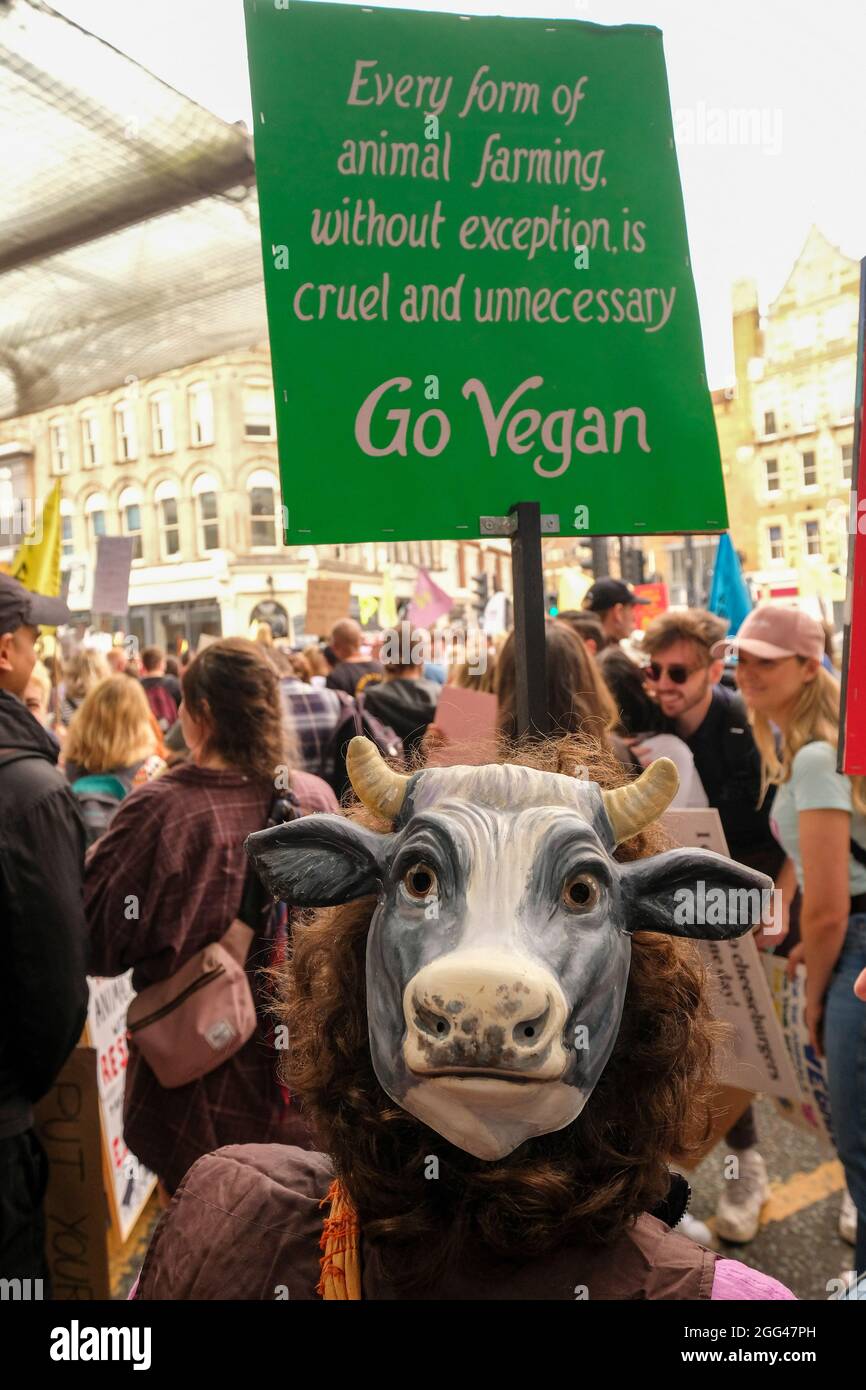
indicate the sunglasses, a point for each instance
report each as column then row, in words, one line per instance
column 678, row 674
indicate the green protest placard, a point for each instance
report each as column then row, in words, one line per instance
column 477, row 275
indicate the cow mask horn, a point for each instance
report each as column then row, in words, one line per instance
column 380, row 789
column 499, row 949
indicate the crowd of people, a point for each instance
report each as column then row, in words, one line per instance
column 129, row 786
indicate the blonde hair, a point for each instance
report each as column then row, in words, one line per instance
column 815, row 718
column 112, row 728
column 82, row 671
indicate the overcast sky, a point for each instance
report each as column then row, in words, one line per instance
column 748, row 207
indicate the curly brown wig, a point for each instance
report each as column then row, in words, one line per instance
column 581, row 1185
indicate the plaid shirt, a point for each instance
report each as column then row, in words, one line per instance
column 175, row 851
column 314, row 713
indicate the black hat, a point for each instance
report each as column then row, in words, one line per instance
column 21, row 608
column 604, row 593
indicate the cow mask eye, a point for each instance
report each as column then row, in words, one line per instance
column 420, row 882
column 581, row 893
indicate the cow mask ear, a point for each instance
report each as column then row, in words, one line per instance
column 656, row 894
column 319, row 860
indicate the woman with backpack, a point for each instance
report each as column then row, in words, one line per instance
column 112, row 746
column 168, row 879
column 819, row 817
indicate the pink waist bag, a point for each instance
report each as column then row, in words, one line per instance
column 189, row 1024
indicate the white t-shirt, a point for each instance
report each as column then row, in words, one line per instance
column 690, row 792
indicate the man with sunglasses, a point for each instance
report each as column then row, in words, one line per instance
column 684, row 678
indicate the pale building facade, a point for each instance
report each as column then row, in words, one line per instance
column 186, row 465
column 788, row 436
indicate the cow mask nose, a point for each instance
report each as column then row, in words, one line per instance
column 485, row 1012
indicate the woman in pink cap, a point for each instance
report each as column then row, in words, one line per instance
column 819, row 820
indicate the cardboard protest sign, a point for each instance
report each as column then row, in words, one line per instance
column 67, row 1122
column 477, row 273
column 327, row 603
column 129, row 1182
column 756, row 1057
column 111, row 579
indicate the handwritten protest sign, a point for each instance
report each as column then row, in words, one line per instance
column 477, row 273
column 808, row 1105
column 129, row 1182
column 769, row 1050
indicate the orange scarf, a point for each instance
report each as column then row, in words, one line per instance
column 341, row 1264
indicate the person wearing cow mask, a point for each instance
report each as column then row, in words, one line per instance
column 497, row 1038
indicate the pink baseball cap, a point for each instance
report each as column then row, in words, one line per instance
column 774, row 630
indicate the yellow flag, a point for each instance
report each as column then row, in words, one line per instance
column 573, row 586
column 367, row 605
column 37, row 563
column 387, row 602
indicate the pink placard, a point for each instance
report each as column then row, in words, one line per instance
column 468, row 720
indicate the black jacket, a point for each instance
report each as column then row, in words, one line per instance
column 406, row 705
column 43, row 987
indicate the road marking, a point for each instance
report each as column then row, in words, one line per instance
column 801, row 1190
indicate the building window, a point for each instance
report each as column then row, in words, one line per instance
column 66, row 540
column 769, row 422
column 812, row 534
column 125, row 432
column 95, row 509
column 59, row 447
column 90, row 440
column 161, row 431
column 776, row 542
column 847, row 461
column 808, row 409
column 258, row 410
column 262, row 488
column 200, row 413
column 205, row 491
column 810, row 469
column 771, row 473
column 129, row 504
column 169, row 521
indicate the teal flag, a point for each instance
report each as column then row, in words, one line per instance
column 729, row 594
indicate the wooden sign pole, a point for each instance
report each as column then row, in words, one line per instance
column 530, row 647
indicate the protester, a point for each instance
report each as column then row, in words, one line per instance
column 313, row 714
column 686, row 654
column 404, row 700
column 162, row 690
column 350, row 666
column 614, row 603
column 81, row 673
column 175, row 851
column 640, row 718
column 37, row 694
column 820, row 819
column 584, row 1209
column 117, row 660
column 43, row 989
column 113, row 745
column 578, row 701
column 588, row 627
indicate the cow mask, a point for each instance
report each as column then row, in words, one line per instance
column 498, row 954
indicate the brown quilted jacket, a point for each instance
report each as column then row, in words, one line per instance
column 246, row 1221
